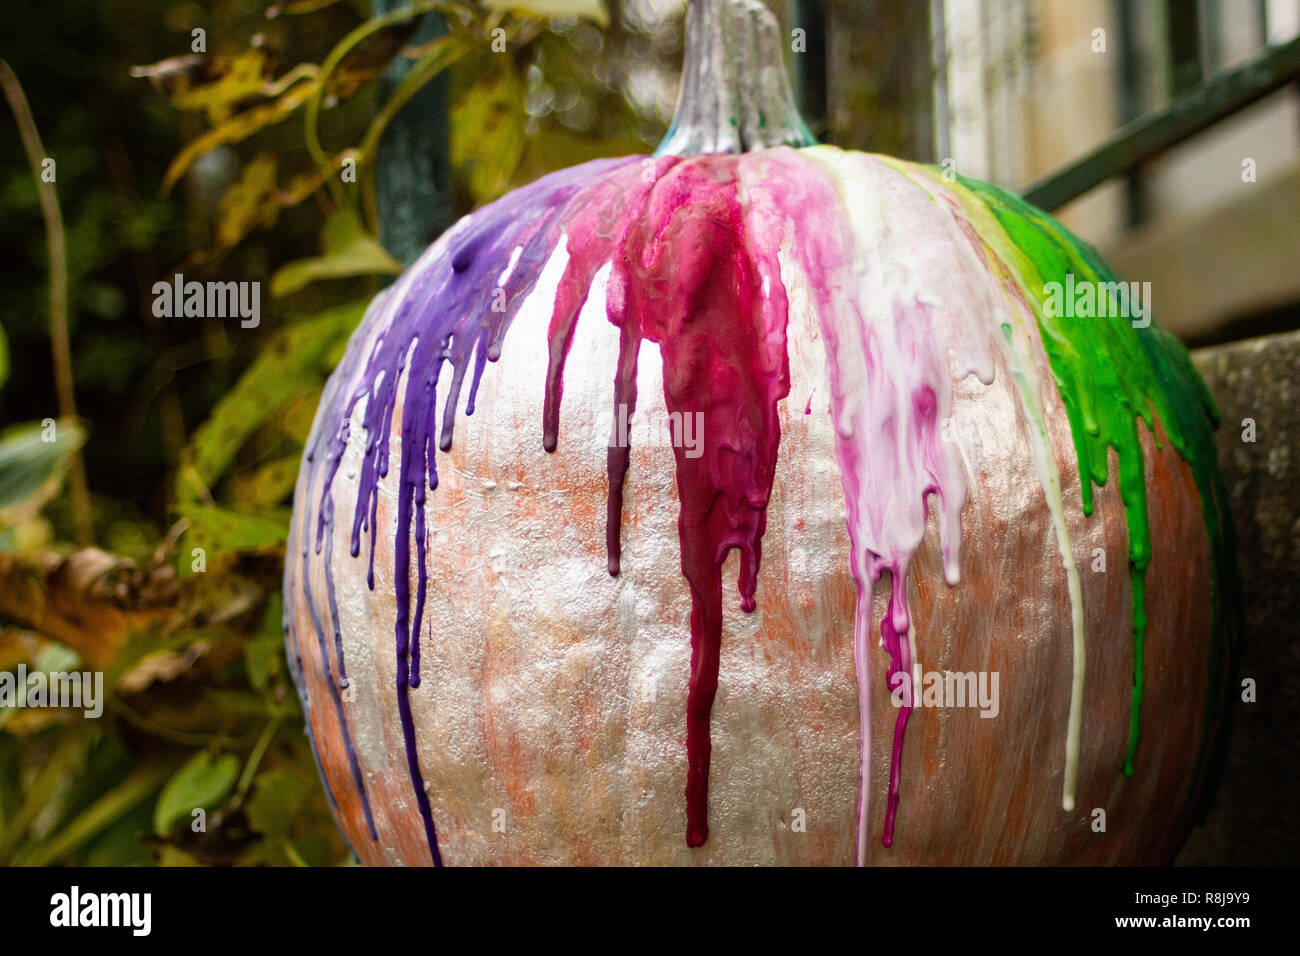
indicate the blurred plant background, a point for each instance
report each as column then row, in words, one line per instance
column 250, row 152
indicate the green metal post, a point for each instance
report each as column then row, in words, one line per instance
column 413, row 178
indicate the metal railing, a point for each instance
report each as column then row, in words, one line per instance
column 1143, row 139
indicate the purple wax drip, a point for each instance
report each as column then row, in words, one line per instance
column 452, row 309
column 300, row 684
column 334, row 685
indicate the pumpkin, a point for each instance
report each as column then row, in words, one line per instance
column 760, row 502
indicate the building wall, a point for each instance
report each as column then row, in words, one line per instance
column 1034, row 84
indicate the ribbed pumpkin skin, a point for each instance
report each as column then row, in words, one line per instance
column 550, row 716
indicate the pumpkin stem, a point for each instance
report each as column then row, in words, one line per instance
column 735, row 94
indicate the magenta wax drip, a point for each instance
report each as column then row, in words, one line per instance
column 900, row 668
column 684, row 279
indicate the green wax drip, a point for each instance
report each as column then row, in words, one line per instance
column 1110, row 374
column 1139, row 641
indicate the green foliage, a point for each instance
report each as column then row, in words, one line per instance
column 595, row 9
column 490, row 139
column 219, row 530
column 202, row 782
column 33, row 459
column 291, row 366
column 348, row 252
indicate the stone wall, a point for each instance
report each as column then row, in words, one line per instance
column 1256, row 815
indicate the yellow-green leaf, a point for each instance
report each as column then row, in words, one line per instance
column 349, row 252
column 591, row 9
column 33, row 457
column 487, row 128
column 278, row 799
column 202, row 783
column 212, row 85
column 218, row 529
column 269, row 485
column 249, row 203
column 238, row 128
column 289, row 367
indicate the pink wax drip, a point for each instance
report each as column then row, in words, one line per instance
column 897, row 332
column 900, row 666
column 684, row 277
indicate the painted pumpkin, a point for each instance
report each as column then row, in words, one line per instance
column 760, row 502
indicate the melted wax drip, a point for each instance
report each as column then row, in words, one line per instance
column 684, row 279
column 299, row 533
column 1112, row 374
column 441, row 311
column 695, row 247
